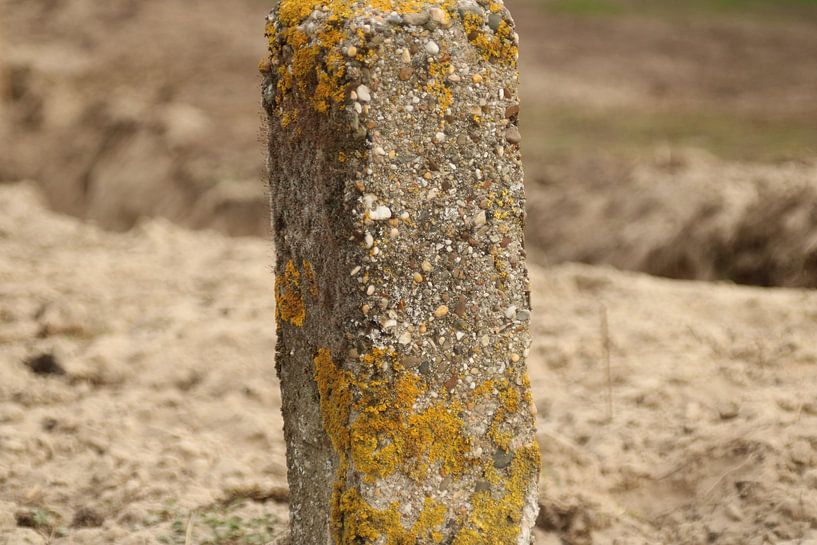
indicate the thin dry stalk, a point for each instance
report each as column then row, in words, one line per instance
column 188, row 537
column 605, row 351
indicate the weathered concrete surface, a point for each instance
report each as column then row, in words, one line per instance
column 403, row 303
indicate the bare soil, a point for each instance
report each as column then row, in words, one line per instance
column 139, row 403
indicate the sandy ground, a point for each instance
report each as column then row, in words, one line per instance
column 156, row 418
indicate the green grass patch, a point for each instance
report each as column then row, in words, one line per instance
column 674, row 7
column 568, row 131
column 238, row 523
column 587, row 7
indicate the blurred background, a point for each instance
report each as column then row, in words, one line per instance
column 138, row 398
column 675, row 138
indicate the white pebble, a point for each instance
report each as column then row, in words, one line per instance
column 432, row 48
column 380, row 213
column 363, row 93
column 439, row 16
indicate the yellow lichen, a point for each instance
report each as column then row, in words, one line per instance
column 385, row 436
column 494, row 46
column 289, row 302
column 389, row 435
column 312, row 69
column 334, row 387
column 495, row 521
column 365, row 524
column 436, row 85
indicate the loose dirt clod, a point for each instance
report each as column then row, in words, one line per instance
column 44, row 364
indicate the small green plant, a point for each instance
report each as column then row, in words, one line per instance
column 220, row 525
column 38, row 518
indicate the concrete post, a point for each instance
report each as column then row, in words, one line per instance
column 402, row 296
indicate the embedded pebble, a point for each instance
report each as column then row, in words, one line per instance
column 380, row 213
column 470, row 6
column 363, row 93
column 728, row 410
column 426, row 266
column 441, row 311
column 494, row 20
column 502, row 458
column 432, row 48
column 439, row 16
column 513, row 135
column 416, row 19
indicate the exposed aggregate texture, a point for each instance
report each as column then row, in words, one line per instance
column 402, row 295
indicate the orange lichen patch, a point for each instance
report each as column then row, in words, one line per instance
column 371, row 421
column 316, row 70
column 364, row 524
column 509, row 402
column 486, row 388
column 334, row 387
column 293, row 12
column 498, row 521
column 335, row 390
column 436, row 85
column 430, row 520
column 510, row 399
column 527, row 396
column 289, row 302
column 497, row 46
column 389, row 435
